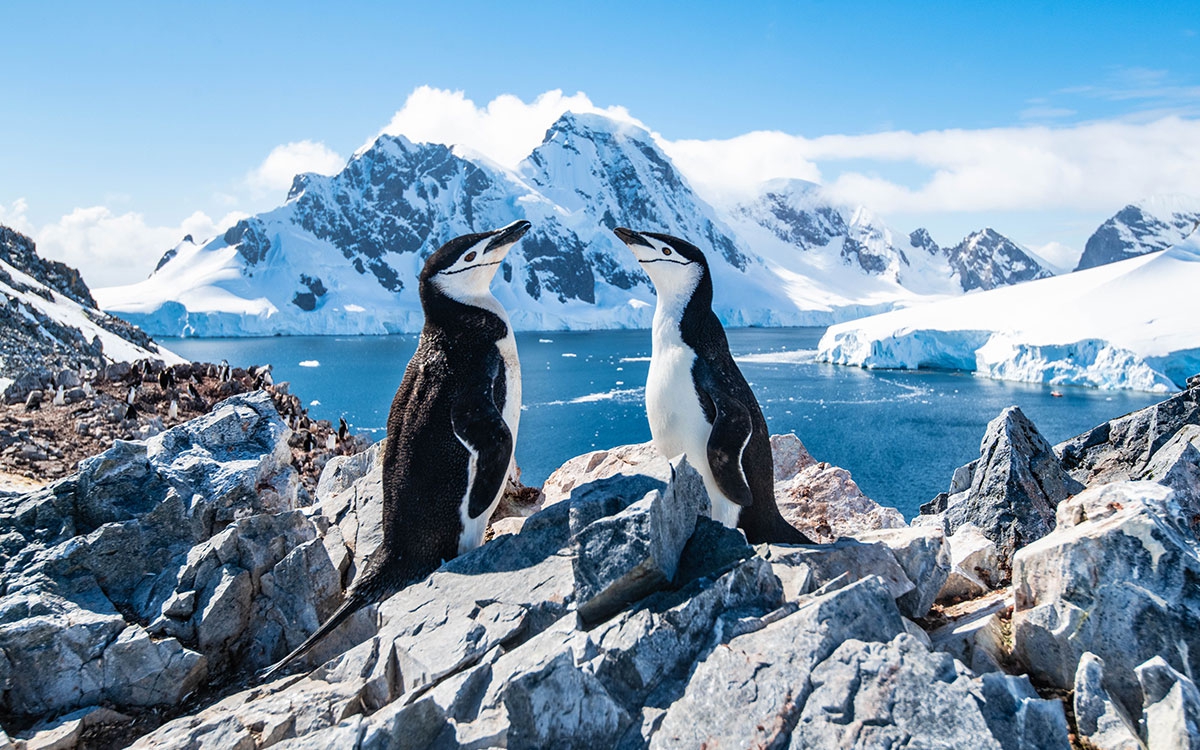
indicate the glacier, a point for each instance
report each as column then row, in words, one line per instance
column 1128, row 324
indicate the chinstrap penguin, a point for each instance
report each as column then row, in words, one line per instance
column 452, row 426
column 697, row 400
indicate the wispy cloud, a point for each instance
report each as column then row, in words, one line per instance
column 16, row 216
column 1095, row 166
column 1142, row 90
column 110, row 248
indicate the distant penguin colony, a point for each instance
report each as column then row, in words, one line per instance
column 697, row 400
column 451, row 429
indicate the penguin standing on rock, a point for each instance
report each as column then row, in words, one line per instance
column 697, row 400
column 452, row 426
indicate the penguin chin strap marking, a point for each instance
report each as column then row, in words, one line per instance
column 469, row 268
column 668, row 260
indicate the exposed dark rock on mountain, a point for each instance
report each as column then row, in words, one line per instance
column 1140, row 228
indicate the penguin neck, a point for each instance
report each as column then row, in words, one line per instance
column 479, row 316
column 690, row 318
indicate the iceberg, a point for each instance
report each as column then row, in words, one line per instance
column 1126, row 325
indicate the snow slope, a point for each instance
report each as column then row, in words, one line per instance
column 45, row 321
column 342, row 255
column 1128, row 324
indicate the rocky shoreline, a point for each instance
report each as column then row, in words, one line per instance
column 1049, row 599
column 51, row 421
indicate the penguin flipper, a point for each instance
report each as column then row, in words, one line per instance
column 732, row 427
column 480, row 427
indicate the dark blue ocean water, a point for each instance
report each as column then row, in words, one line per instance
column 901, row 434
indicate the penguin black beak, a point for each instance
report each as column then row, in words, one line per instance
column 631, row 238
column 508, row 235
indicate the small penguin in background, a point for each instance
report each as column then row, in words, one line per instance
column 697, row 400
column 452, row 426
column 343, row 430
column 173, row 409
column 166, row 379
column 132, row 395
column 60, row 397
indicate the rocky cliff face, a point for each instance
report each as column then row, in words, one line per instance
column 1140, row 228
column 49, row 322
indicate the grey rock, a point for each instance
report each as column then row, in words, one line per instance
column 1015, row 486
column 414, row 726
column 820, row 499
column 65, row 732
column 621, row 558
column 141, row 671
column 898, row 694
column 562, row 706
column 975, row 635
column 133, row 532
column 1177, row 465
column 848, row 558
column 975, row 565
column 1097, row 718
column 1171, row 707
column 224, row 608
column 1120, row 449
column 1073, row 591
column 751, row 691
column 1018, row 718
column 924, row 555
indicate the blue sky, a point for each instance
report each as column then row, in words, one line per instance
column 122, row 120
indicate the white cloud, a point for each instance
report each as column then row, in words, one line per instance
column 14, row 217
column 1062, row 257
column 1096, row 166
column 286, row 161
column 112, row 249
column 506, row 130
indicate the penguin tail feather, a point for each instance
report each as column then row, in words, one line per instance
column 374, row 585
column 354, row 602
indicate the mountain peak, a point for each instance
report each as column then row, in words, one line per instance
column 1152, row 224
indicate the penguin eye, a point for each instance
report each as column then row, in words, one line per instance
column 469, row 256
column 666, row 251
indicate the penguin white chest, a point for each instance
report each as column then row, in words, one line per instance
column 677, row 423
column 474, row 528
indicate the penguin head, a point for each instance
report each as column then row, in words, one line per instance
column 464, row 267
column 677, row 267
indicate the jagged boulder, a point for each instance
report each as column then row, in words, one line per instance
column 177, row 532
column 1117, row 578
column 1098, row 719
column 899, row 694
column 1170, row 706
column 819, row 499
column 1011, row 491
column 1120, row 449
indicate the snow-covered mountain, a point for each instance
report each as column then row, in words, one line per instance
column 1145, row 227
column 343, row 253
column 801, row 215
column 48, row 319
column 988, row 260
column 1128, row 324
